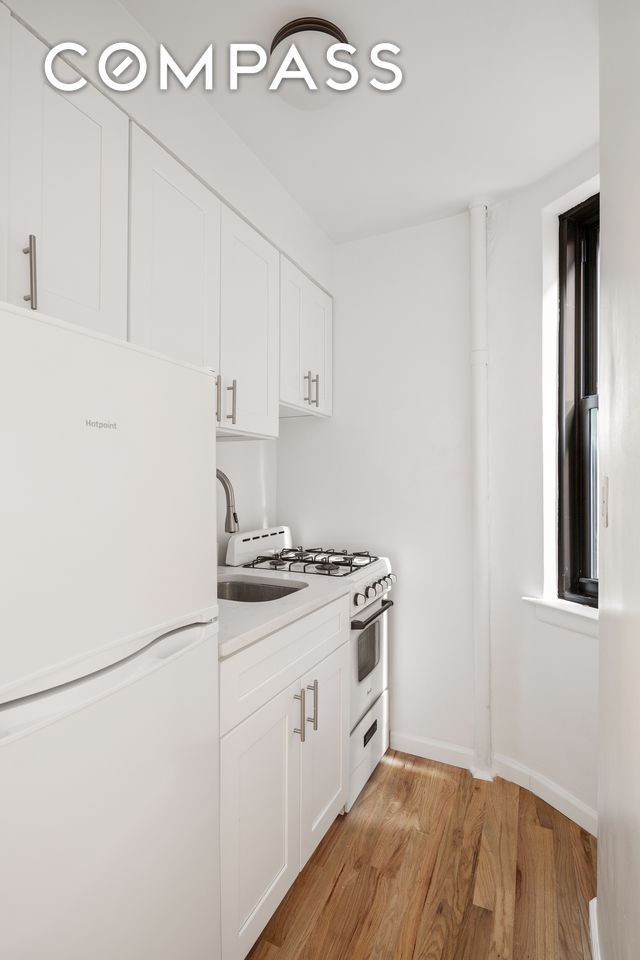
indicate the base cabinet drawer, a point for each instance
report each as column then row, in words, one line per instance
column 253, row 675
column 284, row 777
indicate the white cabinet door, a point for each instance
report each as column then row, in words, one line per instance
column 174, row 304
column 293, row 385
column 249, row 329
column 5, row 65
column 306, row 331
column 324, row 764
column 259, row 819
column 317, row 346
column 68, row 168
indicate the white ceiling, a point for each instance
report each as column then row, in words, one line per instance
column 496, row 94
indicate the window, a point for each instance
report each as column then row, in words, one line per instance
column 578, row 482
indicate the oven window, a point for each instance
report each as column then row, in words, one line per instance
column 368, row 650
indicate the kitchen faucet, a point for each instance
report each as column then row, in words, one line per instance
column 231, row 519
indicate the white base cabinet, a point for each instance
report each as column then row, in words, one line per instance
column 259, row 820
column 324, row 760
column 284, row 773
column 68, row 188
column 306, row 345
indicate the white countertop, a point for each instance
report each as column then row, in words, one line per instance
column 241, row 624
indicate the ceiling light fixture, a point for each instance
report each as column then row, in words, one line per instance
column 312, row 37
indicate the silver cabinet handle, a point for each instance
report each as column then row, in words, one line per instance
column 30, row 250
column 302, row 697
column 307, row 377
column 314, row 718
column 316, row 380
column 219, row 398
column 234, row 401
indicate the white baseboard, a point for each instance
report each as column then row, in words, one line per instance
column 593, row 927
column 547, row 790
column 440, row 750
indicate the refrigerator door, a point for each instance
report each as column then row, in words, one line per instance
column 109, row 826
column 107, row 514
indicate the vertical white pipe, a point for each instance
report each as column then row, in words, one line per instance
column 480, row 491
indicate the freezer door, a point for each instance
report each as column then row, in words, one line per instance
column 107, row 514
column 109, row 826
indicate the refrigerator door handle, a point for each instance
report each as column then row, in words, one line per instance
column 19, row 717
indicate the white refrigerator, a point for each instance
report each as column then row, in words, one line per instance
column 108, row 650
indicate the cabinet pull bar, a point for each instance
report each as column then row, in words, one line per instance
column 219, row 398
column 234, row 401
column 314, row 719
column 316, row 380
column 30, row 250
column 308, row 377
column 302, row 697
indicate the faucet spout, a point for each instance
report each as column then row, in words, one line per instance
column 231, row 524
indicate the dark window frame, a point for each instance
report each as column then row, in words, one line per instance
column 578, row 397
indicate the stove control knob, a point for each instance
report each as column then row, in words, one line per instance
column 386, row 581
column 379, row 586
column 392, row 578
column 359, row 599
column 370, row 593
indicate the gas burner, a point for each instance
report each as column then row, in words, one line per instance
column 327, row 566
column 296, row 555
column 277, row 562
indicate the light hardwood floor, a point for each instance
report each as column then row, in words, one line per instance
column 433, row 865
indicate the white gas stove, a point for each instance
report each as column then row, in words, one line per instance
column 370, row 579
column 272, row 550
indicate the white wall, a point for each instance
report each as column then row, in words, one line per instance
column 391, row 470
column 186, row 123
column 251, row 468
column 619, row 781
column 544, row 677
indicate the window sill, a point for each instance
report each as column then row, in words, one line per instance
column 576, row 617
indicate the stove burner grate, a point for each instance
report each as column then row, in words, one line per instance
column 314, row 560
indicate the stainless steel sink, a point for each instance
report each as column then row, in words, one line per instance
column 250, row 590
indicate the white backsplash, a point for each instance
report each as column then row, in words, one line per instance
column 251, row 468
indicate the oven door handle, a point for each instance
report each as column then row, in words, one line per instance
column 363, row 624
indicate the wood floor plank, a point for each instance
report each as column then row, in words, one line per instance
column 571, row 871
column 496, row 878
column 524, row 947
column 398, row 877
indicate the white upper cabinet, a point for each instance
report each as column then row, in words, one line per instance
column 306, row 335
column 68, row 172
column 249, row 330
column 174, row 264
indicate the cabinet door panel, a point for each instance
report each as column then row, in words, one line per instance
column 68, row 177
column 175, row 258
column 306, row 332
column 324, row 771
column 259, row 819
column 292, row 382
column 317, row 347
column 249, row 326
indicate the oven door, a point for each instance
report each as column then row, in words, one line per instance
column 369, row 659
